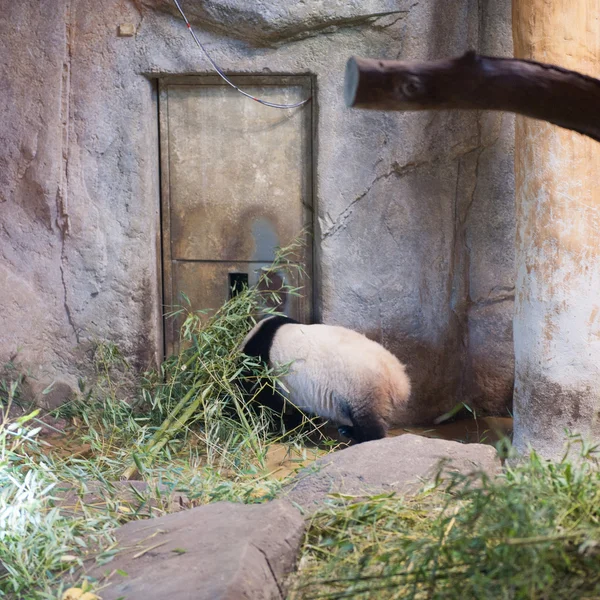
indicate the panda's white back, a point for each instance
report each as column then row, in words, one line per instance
column 332, row 364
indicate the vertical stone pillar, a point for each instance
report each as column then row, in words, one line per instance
column 557, row 304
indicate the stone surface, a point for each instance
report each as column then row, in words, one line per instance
column 557, row 312
column 490, row 364
column 412, row 223
column 271, row 21
column 396, row 464
column 219, row 551
column 486, row 230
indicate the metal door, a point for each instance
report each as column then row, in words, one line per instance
column 236, row 182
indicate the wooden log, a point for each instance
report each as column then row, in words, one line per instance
column 472, row 82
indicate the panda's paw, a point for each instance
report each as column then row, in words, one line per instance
column 346, row 431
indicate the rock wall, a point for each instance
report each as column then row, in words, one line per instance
column 414, row 212
column 489, row 232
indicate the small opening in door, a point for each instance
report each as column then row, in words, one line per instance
column 237, row 282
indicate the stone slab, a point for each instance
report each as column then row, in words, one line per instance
column 396, row 464
column 221, row 551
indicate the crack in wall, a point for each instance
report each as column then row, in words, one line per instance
column 401, row 15
column 491, row 301
column 380, row 314
column 467, row 211
column 480, row 26
column 453, row 292
column 62, row 195
column 457, row 283
column 62, row 208
column 460, row 267
column 496, row 299
column 391, row 232
column 461, row 262
column 459, row 277
column 262, row 29
column 466, row 265
column 336, row 25
column 397, row 170
column 66, row 304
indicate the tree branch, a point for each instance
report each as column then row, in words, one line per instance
column 565, row 98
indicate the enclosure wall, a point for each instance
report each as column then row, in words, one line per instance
column 414, row 222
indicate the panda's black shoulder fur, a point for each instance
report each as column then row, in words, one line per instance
column 260, row 343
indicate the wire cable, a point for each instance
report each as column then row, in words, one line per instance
column 224, row 77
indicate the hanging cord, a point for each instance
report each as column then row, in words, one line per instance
column 222, row 75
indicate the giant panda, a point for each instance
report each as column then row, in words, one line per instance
column 334, row 373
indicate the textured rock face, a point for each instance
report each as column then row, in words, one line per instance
column 414, row 219
column 78, row 193
column 222, row 550
column 35, row 320
column 272, row 21
column 489, row 235
column 399, row 464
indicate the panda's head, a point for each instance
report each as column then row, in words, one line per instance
column 260, row 339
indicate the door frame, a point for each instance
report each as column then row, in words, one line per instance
column 307, row 82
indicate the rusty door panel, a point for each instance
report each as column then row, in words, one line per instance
column 234, row 163
column 236, row 183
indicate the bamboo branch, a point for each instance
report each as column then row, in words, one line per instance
column 471, row 82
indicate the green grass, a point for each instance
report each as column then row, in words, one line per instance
column 37, row 541
column 533, row 534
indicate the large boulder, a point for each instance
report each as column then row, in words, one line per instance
column 395, row 464
column 221, row 551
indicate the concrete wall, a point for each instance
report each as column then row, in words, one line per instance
column 414, row 212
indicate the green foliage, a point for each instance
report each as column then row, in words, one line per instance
column 533, row 533
column 37, row 541
column 188, row 428
column 196, row 397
